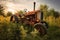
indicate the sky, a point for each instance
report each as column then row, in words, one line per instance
column 28, row 4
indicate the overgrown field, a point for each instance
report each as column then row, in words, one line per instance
column 14, row 31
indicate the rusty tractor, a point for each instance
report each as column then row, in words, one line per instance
column 32, row 18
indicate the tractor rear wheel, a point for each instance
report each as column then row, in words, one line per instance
column 41, row 28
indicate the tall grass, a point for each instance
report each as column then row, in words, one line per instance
column 16, row 31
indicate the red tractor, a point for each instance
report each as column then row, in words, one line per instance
column 33, row 18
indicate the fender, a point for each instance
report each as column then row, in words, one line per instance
column 46, row 24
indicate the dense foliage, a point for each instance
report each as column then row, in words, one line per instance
column 14, row 31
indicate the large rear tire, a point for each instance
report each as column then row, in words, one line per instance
column 41, row 28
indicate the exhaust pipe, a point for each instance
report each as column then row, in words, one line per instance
column 34, row 6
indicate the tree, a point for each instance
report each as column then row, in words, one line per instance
column 44, row 8
column 54, row 13
column 51, row 12
column 1, row 10
column 20, row 12
column 9, row 14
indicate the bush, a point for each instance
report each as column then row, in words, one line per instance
column 53, row 33
column 16, row 31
